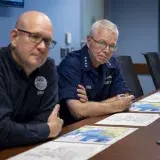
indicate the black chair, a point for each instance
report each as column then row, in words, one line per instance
column 153, row 63
column 130, row 75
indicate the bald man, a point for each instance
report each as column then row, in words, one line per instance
column 28, row 84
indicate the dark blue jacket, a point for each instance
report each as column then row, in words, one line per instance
column 102, row 83
column 25, row 103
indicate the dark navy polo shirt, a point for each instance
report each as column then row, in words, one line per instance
column 25, row 102
column 101, row 83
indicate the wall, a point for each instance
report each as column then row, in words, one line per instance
column 92, row 10
column 138, row 25
column 65, row 16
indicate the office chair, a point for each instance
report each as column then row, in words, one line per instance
column 153, row 63
column 130, row 75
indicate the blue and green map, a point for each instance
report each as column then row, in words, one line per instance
column 145, row 107
column 96, row 134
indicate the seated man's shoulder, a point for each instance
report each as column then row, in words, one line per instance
column 4, row 56
column 71, row 60
column 3, row 51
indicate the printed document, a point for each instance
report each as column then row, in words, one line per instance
column 141, row 106
column 60, row 151
column 105, row 135
column 152, row 98
column 80, row 144
column 130, row 119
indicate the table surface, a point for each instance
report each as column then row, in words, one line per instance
column 139, row 145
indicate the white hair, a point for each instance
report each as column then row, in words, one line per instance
column 104, row 23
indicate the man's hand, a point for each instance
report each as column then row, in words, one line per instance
column 54, row 122
column 121, row 96
column 124, row 102
column 82, row 94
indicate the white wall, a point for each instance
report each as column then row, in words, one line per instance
column 92, row 10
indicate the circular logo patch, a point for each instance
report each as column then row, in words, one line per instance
column 40, row 83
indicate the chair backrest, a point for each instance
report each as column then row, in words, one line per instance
column 153, row 63
column 130, row 75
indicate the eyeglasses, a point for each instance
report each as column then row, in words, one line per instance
column 35, row 38
column 102, row 45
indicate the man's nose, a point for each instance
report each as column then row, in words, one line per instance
column 106, row 50
column 41, row 45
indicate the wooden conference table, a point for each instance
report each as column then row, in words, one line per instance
column 140, row 145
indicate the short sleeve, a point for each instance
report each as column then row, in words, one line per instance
column 69, row 72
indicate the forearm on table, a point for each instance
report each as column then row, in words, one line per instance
column 91, row 109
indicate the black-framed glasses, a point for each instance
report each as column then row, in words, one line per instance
column 102, row 45
column 36, row 38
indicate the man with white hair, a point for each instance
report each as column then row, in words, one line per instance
column 94, row 68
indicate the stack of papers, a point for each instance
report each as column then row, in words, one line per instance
column 80, row 144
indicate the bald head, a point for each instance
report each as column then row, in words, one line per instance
column 31, row 40
column 31, row 18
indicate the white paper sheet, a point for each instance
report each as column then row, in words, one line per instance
column 152, row 98
column 61, row 151
column 130, row 119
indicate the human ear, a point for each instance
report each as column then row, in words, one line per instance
column 14, row 37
